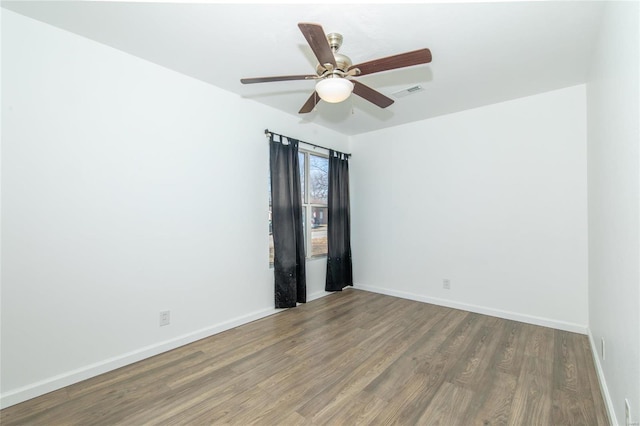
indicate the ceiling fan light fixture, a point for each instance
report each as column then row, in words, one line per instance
column 334, row 89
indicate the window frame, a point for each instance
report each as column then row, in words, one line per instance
column 307, row 206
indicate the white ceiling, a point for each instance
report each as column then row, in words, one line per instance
column 483, row 53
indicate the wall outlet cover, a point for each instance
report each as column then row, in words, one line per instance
column 165, row 318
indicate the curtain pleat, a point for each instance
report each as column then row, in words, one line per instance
column 339, row 266
column 286, row 219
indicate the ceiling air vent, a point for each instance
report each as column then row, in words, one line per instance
column 408, row 91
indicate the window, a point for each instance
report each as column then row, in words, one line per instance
column 315, row 204
column 314, row 183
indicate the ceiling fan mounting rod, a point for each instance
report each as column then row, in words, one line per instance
column 335, row 41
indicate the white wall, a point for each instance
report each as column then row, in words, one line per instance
column 127, row 189
column 120, row 198
column 614, row 211
column 493, row 199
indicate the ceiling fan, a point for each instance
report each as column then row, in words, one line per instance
column 334, row 70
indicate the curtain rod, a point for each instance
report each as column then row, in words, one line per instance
column 269, row 133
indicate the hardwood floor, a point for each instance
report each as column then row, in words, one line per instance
column 348, row 358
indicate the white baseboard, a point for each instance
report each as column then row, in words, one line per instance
column 545, row 322
column 51, row 384
column 603, row 383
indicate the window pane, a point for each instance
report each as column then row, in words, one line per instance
column 318, row 231
column 301, row 161
column 318, row 179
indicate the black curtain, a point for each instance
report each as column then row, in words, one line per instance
column 339, row 270
column 286, row 220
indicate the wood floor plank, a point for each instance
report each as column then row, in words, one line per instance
column 472, row 366
column 403, row 370
column 352, row 357
column 447, row 406
column 409, row 402
column 361, row 409
column 494, row 388
column 569, row 409
column 532, row 399
column 564, row 364
column 355, row 381
column 539, row 342
column 511, row 348
column 492, row 405
column 207, row 393
column 21, row 413
column 226, row 358
column 377, row 354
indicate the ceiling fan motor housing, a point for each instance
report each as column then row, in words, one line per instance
column 343, row 62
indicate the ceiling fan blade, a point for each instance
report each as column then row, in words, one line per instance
column 318, row 41
column 276, row 78
column 421, row 56
column 371, row 95
column 310, row 104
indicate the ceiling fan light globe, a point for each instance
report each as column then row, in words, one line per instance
column 334, row 90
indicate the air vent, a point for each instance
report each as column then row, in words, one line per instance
column 408, row 91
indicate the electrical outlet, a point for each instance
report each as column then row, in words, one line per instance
column 446, row 284
column 602, row 347
column 627, row 413
column 165, row 318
